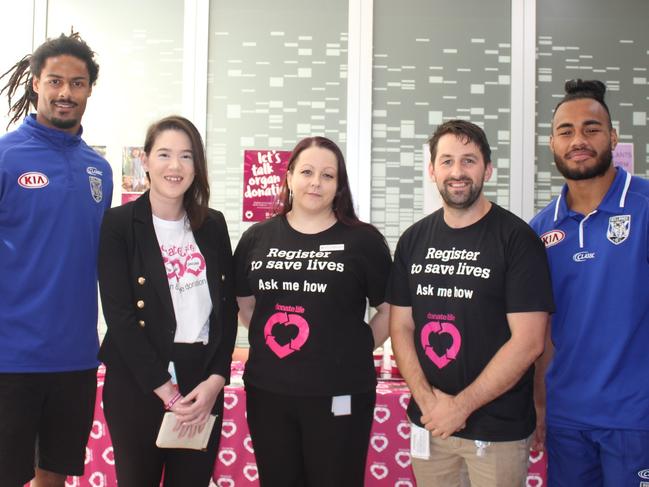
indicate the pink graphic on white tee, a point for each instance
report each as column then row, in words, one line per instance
column 435, row 327
column 179, row 260
column 287, row 324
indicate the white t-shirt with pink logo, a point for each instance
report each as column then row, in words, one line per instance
column 185, row 268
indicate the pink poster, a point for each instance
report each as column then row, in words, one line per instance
column 623, row 156
column 263, row 173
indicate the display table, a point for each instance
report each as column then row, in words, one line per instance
column 388, row 462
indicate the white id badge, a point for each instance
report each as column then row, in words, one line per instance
column 341, row 405
column 172, row 373
column 419, row 442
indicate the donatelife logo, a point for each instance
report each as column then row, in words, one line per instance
column 33, row 180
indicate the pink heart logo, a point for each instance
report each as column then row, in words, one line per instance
column 230, row 400
column 97, row 479
column 225, row 482
column 535, row 456
column 97, row 430
column 403, row 483
column 402, row 458
column 250, row 471
column 227, row 456
column 379, row 443
column 448, row 328
column 228, row 428
column 195, row 264
column 89, row 455
column 379, row 471
column 247, row 443
column 404, row 430
column 534, row 480
column 293, row 345
column 381, row 414
column 108, row 456
column 404, row 399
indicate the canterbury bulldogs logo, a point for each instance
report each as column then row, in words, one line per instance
column 619, row 228
column 96, row 188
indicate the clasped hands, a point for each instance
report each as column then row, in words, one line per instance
column 193, row 410
column 442, row 414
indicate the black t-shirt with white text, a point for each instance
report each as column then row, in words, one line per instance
column 461, row 283
column 308, row 334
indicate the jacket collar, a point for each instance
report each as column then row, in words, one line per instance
column 614, row 199
column 58, row 138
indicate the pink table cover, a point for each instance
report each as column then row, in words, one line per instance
column 388, row 462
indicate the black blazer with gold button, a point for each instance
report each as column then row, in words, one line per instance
column 137, row 303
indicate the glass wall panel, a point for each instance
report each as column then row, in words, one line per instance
column 592, row 39
column 277, row 73
column 435, row 60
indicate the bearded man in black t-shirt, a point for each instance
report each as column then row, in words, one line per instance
column 470, row 299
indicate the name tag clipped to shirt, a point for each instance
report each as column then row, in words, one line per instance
column 419, row 442
column 341, row 405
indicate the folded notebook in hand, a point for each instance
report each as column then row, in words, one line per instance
column 173, row 435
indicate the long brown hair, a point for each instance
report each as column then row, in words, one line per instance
column 197, row 197
column 343, row 205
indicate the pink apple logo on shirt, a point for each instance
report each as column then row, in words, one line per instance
column 286, row 333
column 435, row 327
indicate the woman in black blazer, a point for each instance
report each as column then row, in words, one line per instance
column 165, row 277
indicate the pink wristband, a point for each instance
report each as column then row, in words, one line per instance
column 173, row 401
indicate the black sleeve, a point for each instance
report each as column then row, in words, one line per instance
column 242, row 263
column 398, row 285
column 220, row 364
column 118, row 303
column 376, row 262
column 528, row 285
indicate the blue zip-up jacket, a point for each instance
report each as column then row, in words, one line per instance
column 54, row 190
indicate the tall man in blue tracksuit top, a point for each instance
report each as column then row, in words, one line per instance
column 53, row 193
column 596, row 234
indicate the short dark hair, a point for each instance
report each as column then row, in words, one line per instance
column 343, row 205
column 197, row 197
column 577, row 89
column 20, row 75
column 466, row 132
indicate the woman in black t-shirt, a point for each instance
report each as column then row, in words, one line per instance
column 304, row 278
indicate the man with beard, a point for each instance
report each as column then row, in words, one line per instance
column 470, row 298
column 596, row 234
column 53, row 193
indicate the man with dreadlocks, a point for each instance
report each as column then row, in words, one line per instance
column 596, row 235
column 53, row 193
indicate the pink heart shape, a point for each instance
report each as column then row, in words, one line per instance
column 534, row 480
column 225, row 482
column 227, row 456
column 448, row 328
column 535, row 456
column 381, row 414
column 230, row 400
column 247, row 443
column 379, row 443
column 195, row 264
column 402, row 458
column 379, row 471
column 296, row 343
column 228, row 428
column 404, row 430
column 251, row 472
